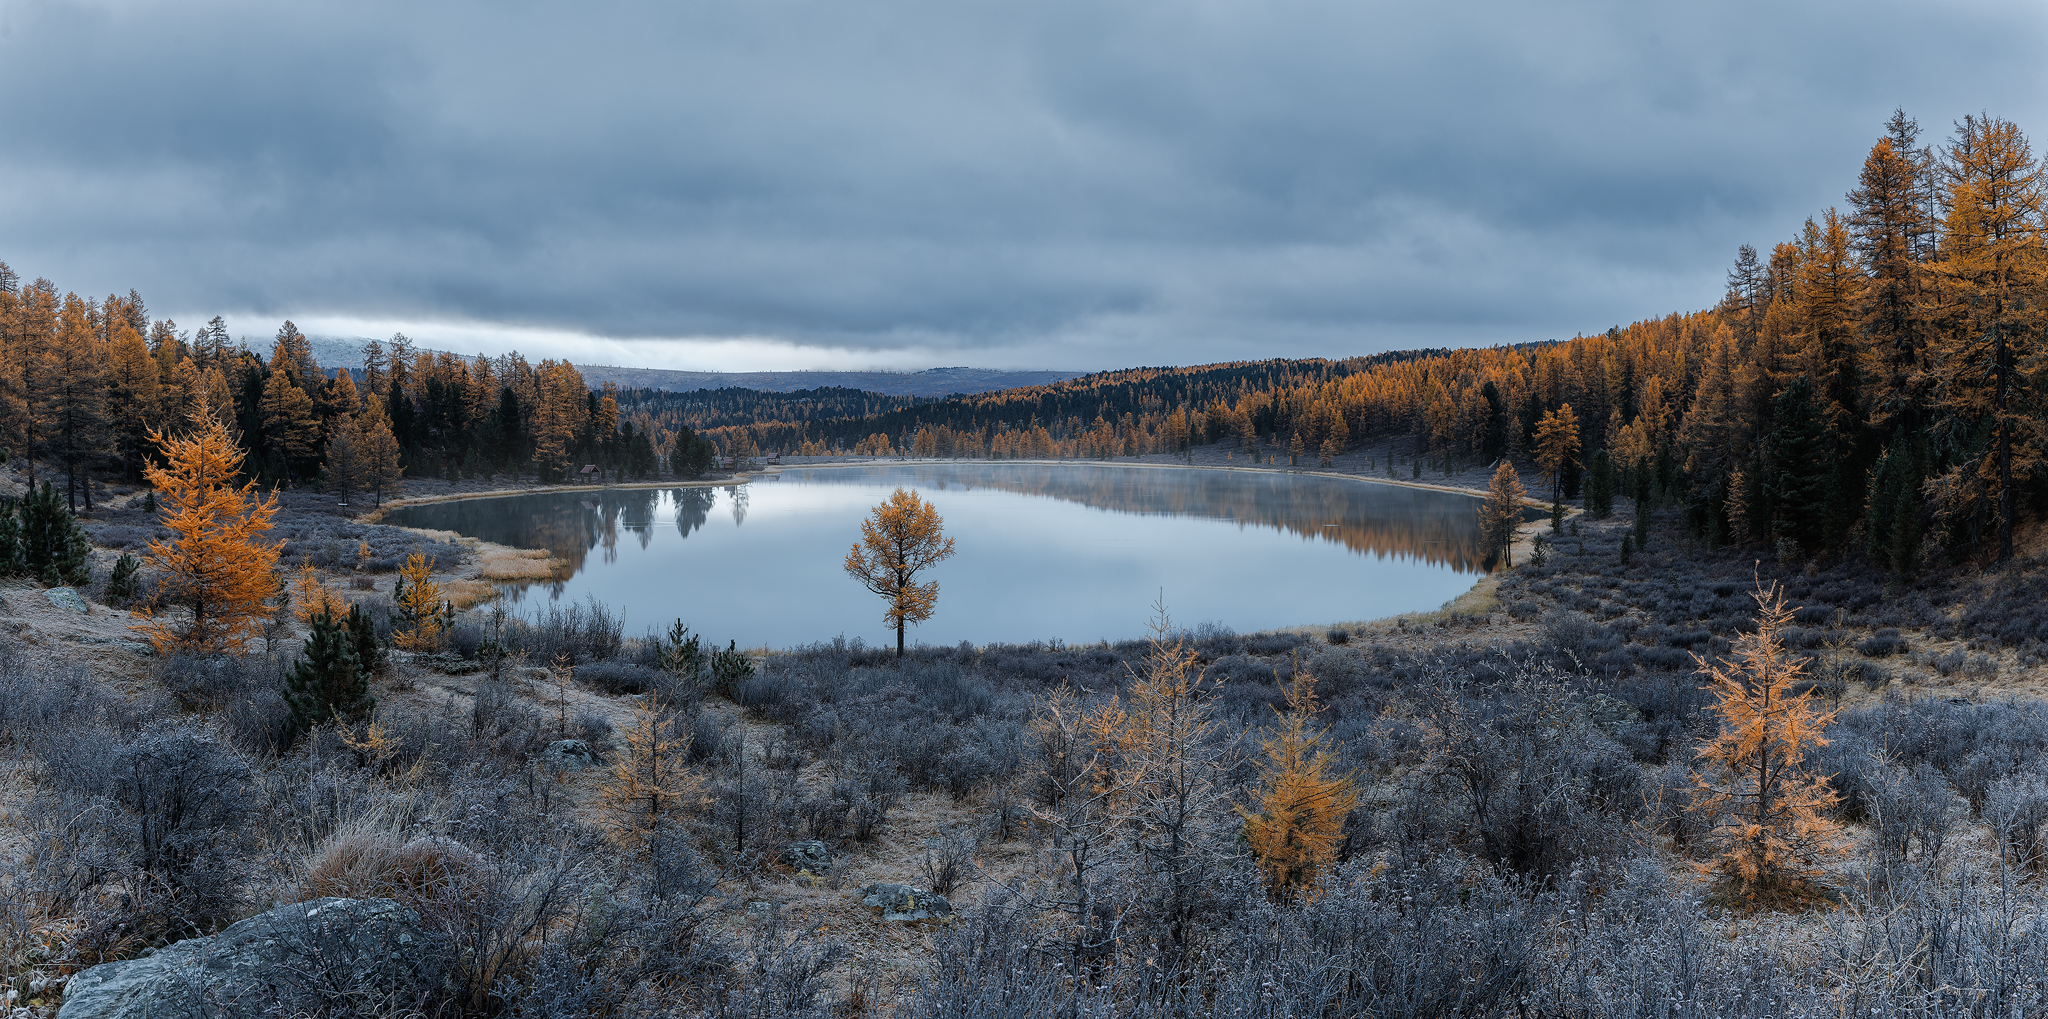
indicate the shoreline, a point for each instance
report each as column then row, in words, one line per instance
column 376, row 514
column 1474, row 601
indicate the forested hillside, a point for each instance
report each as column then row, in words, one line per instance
column 1878, row 368
column 83, row 383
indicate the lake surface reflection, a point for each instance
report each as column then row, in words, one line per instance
column 1078, row 552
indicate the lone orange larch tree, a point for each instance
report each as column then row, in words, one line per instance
column 1502, row 512
column 214, row 566
column 903, row 537
column 1757, row 788
column 1297, row 821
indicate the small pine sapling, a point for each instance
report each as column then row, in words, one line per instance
column 729, row 668
column 122, row 584
column 362, row 635
column 11, row 562
column 327, row 681
column 54, row 548
column 682, row 654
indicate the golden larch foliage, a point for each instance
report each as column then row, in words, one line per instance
column 289, row 423
column 421, row 604
column 903, row 536
column 1557, row 443
column 379, row 451
column 1296, row 826
column 1501, row 513
column 1755, row 785
column 310, row 597
column 650, row 781
column 214, row 567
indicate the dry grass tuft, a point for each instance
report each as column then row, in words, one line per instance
column 374, row 864
column 499, row 563
column 467, row 593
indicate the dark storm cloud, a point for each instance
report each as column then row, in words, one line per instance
column 1072, row 184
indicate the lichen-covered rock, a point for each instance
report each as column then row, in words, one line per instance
column 306, row 958
column 904, row 903
column 810, row 855
column 570, row 755
column 68, row 600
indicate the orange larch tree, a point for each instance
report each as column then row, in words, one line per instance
column 1557, row 446
column 1298, row 821
column 423, row 612
column 651, row 781
column 214, row 566
column 1757, row 788
column 310, row 597
column 1501, row 513
column 902, row 537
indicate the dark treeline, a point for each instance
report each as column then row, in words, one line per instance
column 1128, row 412
column 721, row 408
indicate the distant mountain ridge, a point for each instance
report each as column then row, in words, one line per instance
column 930, row 382
column 347, row 352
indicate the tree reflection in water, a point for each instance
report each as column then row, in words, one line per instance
column 1029, row 571
column 1375, row 519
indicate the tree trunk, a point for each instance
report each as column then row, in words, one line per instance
column 2002, row 369
column 899, row 638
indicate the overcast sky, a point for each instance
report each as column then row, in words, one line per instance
column 757, row 184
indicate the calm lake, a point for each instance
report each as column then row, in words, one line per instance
column 1076, row 552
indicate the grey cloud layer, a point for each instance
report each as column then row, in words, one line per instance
column 1101, row 183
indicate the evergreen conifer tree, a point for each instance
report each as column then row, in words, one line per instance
column 327, row 681
column 54, row 548
column 1642, row 501
column 1600, row 486
column 1496, row 441
column 11, row 564
column 1800, row 469
column 1892, row 518
column 362, row 632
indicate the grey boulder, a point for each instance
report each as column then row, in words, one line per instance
column 309, row 957
column 904, row 903
column 68, row 600
column 570, row 755
column 809, row 855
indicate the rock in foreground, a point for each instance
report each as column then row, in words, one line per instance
column 309, row 957
column 902, row 902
